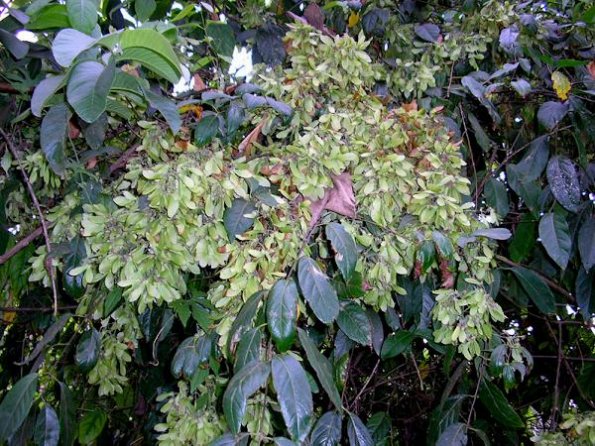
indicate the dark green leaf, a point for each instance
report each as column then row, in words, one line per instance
column 354, row 322
column 564, row 183
column 68, row 44
column 344, row 248
column 379, row 426
column 282, row 313
column 357, row 432
column 87, row 89
column 67, row 416
column 327, row 431
column 428, row 32
column 235, row 218
column 585, row 288
column 536, row 288
column 167, row 108
column 317, row 290
column 377, row 330
column 206, row 130
column 480, row 135
column 112, row 301
column 243, row 320
column 241, row 387
column 223, row 38
column 555, row 238
column 282, row 441
column 95, row 132
column 534, row 162
column 16, row 405
column 523, row 240
column 426, row 256
column 497, row 196
column 88, row 349
column 91, row 425
column 293, row 394
column 47, row 428
column 396, row 344
column 82, row 14
column 551, row 113
column 453, row 435
column 586, row 243
column 53, row 137
column 322, row 367
column 44, row 90
column 48, row 337
column 248, row 349
column 498, row 406
column 443, row 244
column 144, row 9
column 235, row 117
column 192, row 352
column 16, row 47
column 231, row 440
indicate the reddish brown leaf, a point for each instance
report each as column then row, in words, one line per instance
column 340, row 199
column 73, row 129
column 591, row 68
column 251, row 138
column 199, row 84
column 315, row 16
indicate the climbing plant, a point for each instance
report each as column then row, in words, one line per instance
column 382, row 233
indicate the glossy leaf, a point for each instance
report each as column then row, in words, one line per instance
column 564, row 183
column 357, row 432
column 87, row 89
column 82, row 14
column 317, row 290
column 91, row 425
column 241, row 387
column 396, row 344
column 322, row 367
column 237, row 219
column 206, row 129
column 16, row 405
column 293, row 394
column 248, row 349
column 498, row 406
column 586, row 243
column 88, row 349
column 536, row 289
column 555, row 238
column 243, row 320
column 354, row 322
column 53, row 137
column 47, row 429
column 192, row 352
column 343, row 247
column 282, row 307
column 327, row 430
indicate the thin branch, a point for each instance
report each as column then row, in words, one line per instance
column 566, row 358
column 44, row 227
column 22, row 244
column 123, row 160
column 469, row 148
column 357, row 397
column 36, row 309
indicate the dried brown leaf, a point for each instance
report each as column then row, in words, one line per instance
column 340, row 199
column 251, row 138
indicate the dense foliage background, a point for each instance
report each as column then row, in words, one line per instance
column 382, row 234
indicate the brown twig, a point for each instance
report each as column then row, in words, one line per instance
column 36, row 309
column 123, row 160
column 469, row 147
column 357, row 397
column 22, row 244
column 5, row 87
column 44, row 227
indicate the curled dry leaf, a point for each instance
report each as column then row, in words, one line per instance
column 591, row 69
column 340, row 199
column 251, row 138
column 199, row 84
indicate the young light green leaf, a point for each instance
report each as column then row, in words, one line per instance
column 16, row 405
column 317, row 290
column 327, row 430
column 555, row 238
column 322, row 367
column 586, row 243
column 355, row 323
column 282, row 313
column 235, row 218
column 47, row 428
column 536, row 288
column 357, row 432
column 564, row 183
column 151, row 40
column 91, row 425
column 82, row 14
column 344, row 248
column 88, row 349
column 241, row 387
column 496, row 403
column 144, row 9
column 53, row 137
column 88, row 87
column 294, row 396
column 68, row 44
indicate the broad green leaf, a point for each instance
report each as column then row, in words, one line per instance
column 453, row 435
column 357, row 432
column 535, row 161
column 377, row 330
column 144, row 9
column 91, row 425
column 88, row 87
column 192, row 352
column 480, row 135
column 67, row 415
column 444, row 245
column 555, row 238
column 112, row 301
column 551, row 113
column 327, row 430
column 82, row 14
column 117, row 108
column 248, row 349
column 47, row 428
column 282, row 306
column 243, row 320
column 322, row 367
column 95, row 132
column 379, row 426
column 293, row 394
column 498, row 406
column 16, row 405
column 88, row 349
column 167, row 108
column 585, row 292
column 426, row 256
column 524, row 238
column 68, row 44
column 236, row 218
column 344, row 248
column 522, row 87
column 206, row 129
column 235, row 117
column 354, row 322
column 497, row 196
column 151, row 60
column 44, row 90
column 397, row 343
column 49, row 17
column 16, row 47
column 536, row 289
column 153, row 41
column 53, row 137
column 317, row 290
column 223, row 38
column 428, row 32
column 124, row 82
column 564, row 183
column 241, row 387
column 586, row 243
